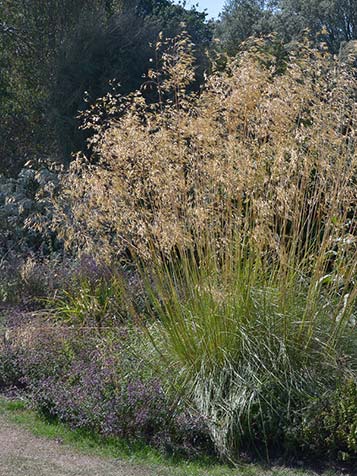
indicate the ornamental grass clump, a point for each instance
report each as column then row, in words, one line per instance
column 239, row 205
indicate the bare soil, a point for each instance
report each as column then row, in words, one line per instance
column 22, row 454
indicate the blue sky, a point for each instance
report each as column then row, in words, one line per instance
column 214, row 7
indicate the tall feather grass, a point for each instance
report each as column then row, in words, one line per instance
column 240, row 205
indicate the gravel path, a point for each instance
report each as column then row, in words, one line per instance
column 22, row 454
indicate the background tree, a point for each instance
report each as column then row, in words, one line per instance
column 331, row 21
column 31, row 34
column 241, row 19
column 115, row 48
column 53, row 52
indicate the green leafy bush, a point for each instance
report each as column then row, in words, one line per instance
column 25, row 200
column 328, row 427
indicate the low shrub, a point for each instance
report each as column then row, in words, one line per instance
column 29, row 279
column 30, row 353
column 25, row 200
column 328, row 427
column 102, row 384
column 11, row 373
column 137, row 410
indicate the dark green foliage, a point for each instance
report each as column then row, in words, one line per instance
column 54, row 53
column 171, row 16
column 329, row 425
column 30, row 35
column 96, row 53
column 102, row 50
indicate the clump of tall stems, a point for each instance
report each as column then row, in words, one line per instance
column 240, row 201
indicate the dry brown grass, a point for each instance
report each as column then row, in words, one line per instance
column 271, row 155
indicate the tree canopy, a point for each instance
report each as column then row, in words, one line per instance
column 329, row 21
column 58, row 56
column 54, row 52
